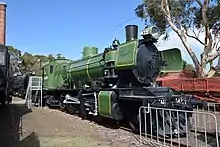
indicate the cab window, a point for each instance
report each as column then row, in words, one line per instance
column 51, row 69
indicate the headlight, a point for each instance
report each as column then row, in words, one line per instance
column 153, row 30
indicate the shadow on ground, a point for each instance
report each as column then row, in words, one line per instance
column 11, row 127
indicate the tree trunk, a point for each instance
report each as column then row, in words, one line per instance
column 213, row 70
column 200, row 70
column 201, row 73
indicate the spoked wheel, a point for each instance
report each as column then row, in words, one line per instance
column 134, row 123
column 63, row 107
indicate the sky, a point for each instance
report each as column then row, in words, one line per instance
column 50, row 27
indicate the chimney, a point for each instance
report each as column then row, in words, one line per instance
column 131, row 32
column 2, row 22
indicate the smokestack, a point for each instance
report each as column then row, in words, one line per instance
column 2, row 22
column 131, row 32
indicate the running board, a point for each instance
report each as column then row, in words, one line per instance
column 72, row 100
column 85, row 94
column 76, row 101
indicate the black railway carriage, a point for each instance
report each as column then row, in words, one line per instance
column 5, row 75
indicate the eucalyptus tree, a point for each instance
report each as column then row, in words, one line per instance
column 188, row 19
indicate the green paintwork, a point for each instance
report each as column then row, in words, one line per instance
column 126, row 57
column 104, row 103
column 86, row 69
column 110, row 56
column 91, row 68
column 174, row 60
column 55, row 74
column 89, row 51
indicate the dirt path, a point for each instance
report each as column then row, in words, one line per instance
column 53, row 128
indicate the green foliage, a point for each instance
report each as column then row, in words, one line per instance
column 31, row 62
column 188, row 67
column 187, row 13
column 59, row 56
column 15, row 51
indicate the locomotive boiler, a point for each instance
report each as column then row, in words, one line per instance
column 117, row 82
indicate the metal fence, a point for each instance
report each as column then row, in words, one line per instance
column 213, row 108
column 172, row 127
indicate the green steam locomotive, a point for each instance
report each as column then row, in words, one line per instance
column 117, row 82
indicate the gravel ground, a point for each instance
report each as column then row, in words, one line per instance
column 53, row 123
column 53, row 128
column 21, row 127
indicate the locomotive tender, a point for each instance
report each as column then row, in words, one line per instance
column 117, row 82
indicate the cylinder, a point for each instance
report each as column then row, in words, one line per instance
column 2, row 22
column 131, row 32
column 89, row 51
